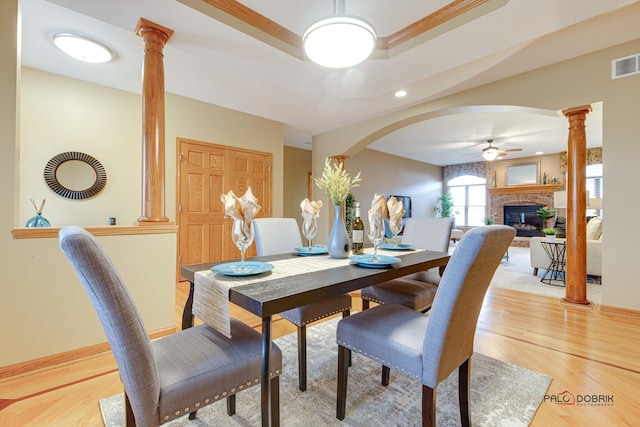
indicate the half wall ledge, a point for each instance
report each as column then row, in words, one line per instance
column 113, row 230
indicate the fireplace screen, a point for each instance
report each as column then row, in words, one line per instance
column 524, row 219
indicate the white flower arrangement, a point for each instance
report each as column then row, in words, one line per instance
column 336, row 182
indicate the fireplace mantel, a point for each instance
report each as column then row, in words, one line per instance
column 524, row 189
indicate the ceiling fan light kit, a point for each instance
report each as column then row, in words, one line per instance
column 490, row 153
column 339, row 41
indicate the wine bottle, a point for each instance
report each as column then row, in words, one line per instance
column 357, row 233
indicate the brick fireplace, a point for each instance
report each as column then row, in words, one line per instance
column 521, row 195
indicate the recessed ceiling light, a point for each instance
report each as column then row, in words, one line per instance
column 401, row 93
column 82, row 48
column 539, row 152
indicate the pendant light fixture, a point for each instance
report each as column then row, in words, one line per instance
column 339, row 41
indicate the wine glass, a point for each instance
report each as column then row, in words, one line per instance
column 376, row 234
column 242, row 236
column 310, row 229
column 395, row 227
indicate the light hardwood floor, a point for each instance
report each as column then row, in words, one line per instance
column 587, row 352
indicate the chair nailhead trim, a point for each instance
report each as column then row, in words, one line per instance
column 377, row 301
column 187, row 410
column 377, row 358
column 340, row 310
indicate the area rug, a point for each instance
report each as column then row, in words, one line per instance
column 516, row 273
column 501, row 394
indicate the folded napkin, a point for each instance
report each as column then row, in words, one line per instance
column 242, row 209
column 310, row 212
column 310, row 209
column 376, row 214
column 396, row 212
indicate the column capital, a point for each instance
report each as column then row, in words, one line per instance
column 340, row 158
column 583, row 109
column 145, row 27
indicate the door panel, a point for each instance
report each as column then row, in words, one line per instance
column 205, row 172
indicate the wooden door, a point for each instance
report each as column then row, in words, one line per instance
column 205, row 172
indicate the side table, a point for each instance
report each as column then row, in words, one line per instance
column 556, row 270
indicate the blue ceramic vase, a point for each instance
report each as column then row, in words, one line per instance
column 338, row 244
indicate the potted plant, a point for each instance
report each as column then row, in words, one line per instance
column 445, row 208
column 550, row 233
column 349, row 211
column 545, row 214
column 488, row 221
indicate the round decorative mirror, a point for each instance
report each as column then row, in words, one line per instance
column 75, row 175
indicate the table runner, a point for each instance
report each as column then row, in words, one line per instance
column 211, row 290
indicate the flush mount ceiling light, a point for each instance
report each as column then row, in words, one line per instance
column 82, row 48
column 339, row 41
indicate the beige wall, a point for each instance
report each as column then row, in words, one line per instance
column 197, row 120
column 297, row 166
column 41, row 296
column 579, row 81
column 549, row 163
column 61, row 114
column 392, row 175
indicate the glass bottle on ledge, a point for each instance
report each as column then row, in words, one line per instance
column 38, row 221
column 357, row 232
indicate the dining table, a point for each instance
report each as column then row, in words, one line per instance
column 275, row 291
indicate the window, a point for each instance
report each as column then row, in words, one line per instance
column 594, row 186
column 469, row 197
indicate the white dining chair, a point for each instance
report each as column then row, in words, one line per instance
column 415, row 291
column 281, row 235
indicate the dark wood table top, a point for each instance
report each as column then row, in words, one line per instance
column 271, row 296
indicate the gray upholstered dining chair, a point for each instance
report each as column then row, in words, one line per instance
column 427, row 348
column 415, row 291
column 280, row 235
column 175, row 375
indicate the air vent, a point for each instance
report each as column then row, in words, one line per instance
column 627, row 66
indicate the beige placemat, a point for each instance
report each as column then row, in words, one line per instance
column 211, row 290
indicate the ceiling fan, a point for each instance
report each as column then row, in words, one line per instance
column 491, row 152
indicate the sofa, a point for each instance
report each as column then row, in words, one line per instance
column 539, row 258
